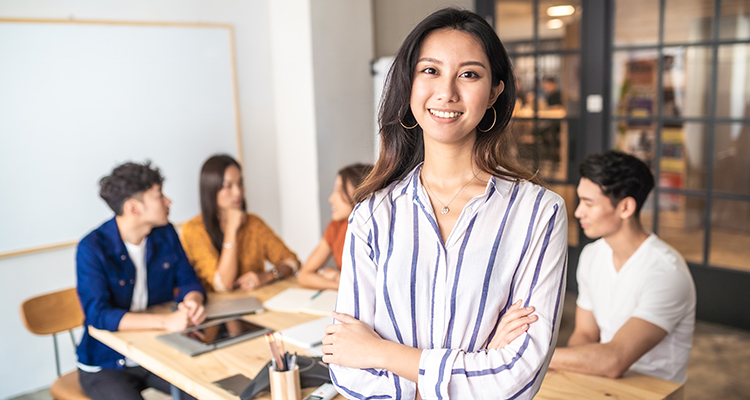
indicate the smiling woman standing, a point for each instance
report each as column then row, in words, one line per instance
column 227, row 246
column 449, row 234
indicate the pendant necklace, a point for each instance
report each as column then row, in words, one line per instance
column 446, row 209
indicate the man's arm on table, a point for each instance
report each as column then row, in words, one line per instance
column 586, row 355
column 190, row 310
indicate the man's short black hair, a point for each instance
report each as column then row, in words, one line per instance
column 127, row 181
column 619, row 175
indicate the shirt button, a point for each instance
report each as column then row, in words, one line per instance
column 166, row 265
column 122, row 282
column 121, row 362
column 123, row 257
column 132, row 281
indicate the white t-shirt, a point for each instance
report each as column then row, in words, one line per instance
column 137, row 254
column 654, row 285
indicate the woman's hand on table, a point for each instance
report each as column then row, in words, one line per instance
column 253, row 280
column 514, row 323
column 332, row 274
column 352, row 343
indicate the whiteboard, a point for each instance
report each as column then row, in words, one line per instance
column 77, row 99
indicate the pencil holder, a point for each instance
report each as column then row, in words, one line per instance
column 285, row 385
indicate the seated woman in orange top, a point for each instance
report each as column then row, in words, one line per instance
column 312, row 274
column 226, row 245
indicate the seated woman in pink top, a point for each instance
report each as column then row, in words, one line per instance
column 312, row 274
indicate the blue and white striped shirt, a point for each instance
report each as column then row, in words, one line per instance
column 397, row 276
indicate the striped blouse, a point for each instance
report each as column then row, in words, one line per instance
column 509, row 243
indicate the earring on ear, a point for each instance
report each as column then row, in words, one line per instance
column 408, row 127
column 494, row 119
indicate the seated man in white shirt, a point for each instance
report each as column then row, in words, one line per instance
column 636, row 297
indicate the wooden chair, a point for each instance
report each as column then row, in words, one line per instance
column 53, row 313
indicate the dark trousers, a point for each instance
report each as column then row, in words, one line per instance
column 122, row 384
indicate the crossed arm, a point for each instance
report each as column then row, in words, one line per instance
column 587, row 355
column 356, row 345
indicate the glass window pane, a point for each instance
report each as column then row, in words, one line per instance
column 523, row 69
column 639, row 141
column 681, row 224
column 686, row 80
column 735, row 19
column 733, row 86
column 559, row 25
column 730, row 234
column 636, row 22
column 688, row 20
column 634, row 83
column 542, row 146
column 732, row 165
column 514, row 23
column 683, row 158
column 559, row 86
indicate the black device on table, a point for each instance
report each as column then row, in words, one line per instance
column 313, row 372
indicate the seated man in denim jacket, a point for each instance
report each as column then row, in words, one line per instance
column 129, row 263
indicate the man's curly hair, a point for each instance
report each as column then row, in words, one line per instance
column 128, row 181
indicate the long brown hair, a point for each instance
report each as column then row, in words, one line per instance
column 401, row 149
column 211, row 181
column 353, row 174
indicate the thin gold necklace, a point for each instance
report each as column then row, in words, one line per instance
column 446, row 209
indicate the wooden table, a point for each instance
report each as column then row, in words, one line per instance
column 195, row 375
column 571, row 385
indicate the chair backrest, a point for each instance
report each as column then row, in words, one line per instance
column 52, row 312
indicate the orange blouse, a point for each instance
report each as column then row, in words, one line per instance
column 256, row 243
column 335, row 235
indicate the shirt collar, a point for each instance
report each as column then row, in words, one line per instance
column 412, row 185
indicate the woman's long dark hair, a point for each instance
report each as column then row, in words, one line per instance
column 211, row 181
column 353, row 174
column 401, row 150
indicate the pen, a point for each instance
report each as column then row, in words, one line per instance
column 280, row 340
column 274, row 351
column 316, row 294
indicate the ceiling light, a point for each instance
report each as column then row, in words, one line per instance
column 561, row 11
column 555, row 24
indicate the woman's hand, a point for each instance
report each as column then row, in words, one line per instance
column 332, row 274
column 253, row 280
column 352, row 343
column 234, row 218
column 513, row 324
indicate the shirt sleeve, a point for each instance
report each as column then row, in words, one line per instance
column 200, row 252
column 273, row 247
column 515, row 371
column 666, row 297
column 93, row 290
column 582, row 275
column 186, row 280
column 356, row 297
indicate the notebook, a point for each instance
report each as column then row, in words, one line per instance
column 309, row 301
column 308, row 335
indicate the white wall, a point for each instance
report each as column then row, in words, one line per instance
column 342, row 37
column 394, row 19
column 32, row 365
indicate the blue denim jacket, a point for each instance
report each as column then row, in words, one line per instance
column 106, row 277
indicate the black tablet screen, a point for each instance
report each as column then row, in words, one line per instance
column 212, row 334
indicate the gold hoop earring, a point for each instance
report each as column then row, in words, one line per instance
column 494, row 119
column 408, row 127
column 416, row 123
